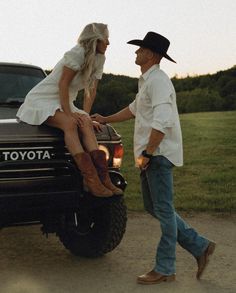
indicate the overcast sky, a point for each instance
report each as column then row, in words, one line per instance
column 202, row 32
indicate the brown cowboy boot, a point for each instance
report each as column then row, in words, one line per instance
column 100, row 162
column 90, row 175
column 203, row 259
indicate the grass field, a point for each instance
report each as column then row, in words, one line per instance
column 207, row 181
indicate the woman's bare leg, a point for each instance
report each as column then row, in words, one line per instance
column 82, row 159
column 60, row 120
column 70, row 128
column 88, row 135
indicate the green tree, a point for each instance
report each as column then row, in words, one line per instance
column 199, row 100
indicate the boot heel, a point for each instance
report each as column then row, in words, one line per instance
column 211, row 248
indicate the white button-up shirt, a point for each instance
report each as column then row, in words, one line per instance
column 155, row 108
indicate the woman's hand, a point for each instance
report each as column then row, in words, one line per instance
column 80, row 119
column 98, row 118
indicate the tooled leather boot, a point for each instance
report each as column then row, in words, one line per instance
column 90, row 175
column 100, row 162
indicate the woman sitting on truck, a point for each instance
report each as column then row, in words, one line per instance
column 51, row 102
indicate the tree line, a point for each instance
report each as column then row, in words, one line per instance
column 211, row 92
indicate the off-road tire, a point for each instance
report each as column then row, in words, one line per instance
column 98, row 234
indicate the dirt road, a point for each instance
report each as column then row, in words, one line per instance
column 31, row 263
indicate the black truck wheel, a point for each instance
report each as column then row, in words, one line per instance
column 96, row 232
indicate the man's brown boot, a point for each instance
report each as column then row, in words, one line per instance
column 203, row 260
column 90, row 175
column 100, row 162
column 153, row 277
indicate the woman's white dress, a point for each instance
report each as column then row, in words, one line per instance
column 43, row 100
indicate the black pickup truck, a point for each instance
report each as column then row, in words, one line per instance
column 40, row 183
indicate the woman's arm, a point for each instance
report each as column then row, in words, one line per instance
column 64, row 83
column 89, row 98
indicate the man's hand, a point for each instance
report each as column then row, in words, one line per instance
column 97, row 126
column 98, row 118
column 143, row 162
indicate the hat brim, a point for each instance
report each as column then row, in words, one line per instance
column 141, row 43
column 136, row 42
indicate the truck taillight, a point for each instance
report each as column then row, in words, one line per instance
column 106, row 151
column 118, row 155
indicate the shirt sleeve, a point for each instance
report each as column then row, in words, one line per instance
column 74, row 58
column 161, row 95
column 162, row 117
column 100, row 60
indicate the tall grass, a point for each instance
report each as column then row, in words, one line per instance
column 207, row 181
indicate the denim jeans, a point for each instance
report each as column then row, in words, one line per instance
column 157, row 191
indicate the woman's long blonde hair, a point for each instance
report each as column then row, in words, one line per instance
column 88, row 40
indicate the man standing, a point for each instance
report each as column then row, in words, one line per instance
column 157, row 148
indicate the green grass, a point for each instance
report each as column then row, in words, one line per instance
column 207, row 181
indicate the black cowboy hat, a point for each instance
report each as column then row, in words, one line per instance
column 155, row 42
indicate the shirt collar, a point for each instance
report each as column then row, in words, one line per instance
column 150, row 70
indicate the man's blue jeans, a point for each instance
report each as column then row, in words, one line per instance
column 157, row 190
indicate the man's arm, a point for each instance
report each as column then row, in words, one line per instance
column 124, row 114
column 155, row 139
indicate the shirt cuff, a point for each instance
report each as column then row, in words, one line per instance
column 158, row 126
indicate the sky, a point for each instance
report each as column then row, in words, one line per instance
column 202, row 33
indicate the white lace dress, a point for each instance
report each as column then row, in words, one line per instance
column 43, row 100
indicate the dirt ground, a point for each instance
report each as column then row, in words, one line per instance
column 30, row 263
